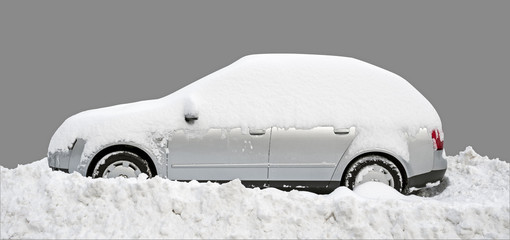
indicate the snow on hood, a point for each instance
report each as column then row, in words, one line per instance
column 35, row 202
column 261, row 91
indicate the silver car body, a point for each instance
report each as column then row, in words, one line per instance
column 283, row 158
column 288, row 158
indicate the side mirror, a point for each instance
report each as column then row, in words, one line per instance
column 190, row 118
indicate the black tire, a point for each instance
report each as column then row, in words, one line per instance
column 121, row 163
column 382, row 170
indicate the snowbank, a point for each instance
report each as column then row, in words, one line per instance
column 266, row 90
column 39, row 203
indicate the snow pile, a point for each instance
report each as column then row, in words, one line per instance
column 39, row 203
column 270, row 90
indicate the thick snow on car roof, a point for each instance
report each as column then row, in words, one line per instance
column 261, row 91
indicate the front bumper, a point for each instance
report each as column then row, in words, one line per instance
column 59, row 160
column 60, row 169
column 436, row 174
column 67, row 160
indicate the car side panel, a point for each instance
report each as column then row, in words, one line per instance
column 218, row 155
column 421, row 156
column 421, row 153
column 76, row 153
column 306, row 155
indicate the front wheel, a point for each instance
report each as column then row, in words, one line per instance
column 373, row 168
column 121, row 164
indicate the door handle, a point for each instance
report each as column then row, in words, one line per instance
column 257, row 132
column 342, row 131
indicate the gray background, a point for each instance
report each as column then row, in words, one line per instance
column 60, row 58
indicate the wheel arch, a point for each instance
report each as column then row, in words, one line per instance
column 121, row 147
column 399, row 162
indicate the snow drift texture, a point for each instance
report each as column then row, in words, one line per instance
column 37, row 203
column 262, row 91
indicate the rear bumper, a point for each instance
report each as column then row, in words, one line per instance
column 436, row 174
column 422, row 179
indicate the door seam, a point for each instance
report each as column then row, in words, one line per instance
column 269, row 153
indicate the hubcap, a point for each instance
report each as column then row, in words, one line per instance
column 374, row 173
column 121, row 168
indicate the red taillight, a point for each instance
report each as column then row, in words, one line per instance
column 438, row 142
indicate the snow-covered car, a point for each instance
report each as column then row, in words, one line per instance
column 289, row 121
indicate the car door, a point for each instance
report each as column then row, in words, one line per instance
column 306, row 158
column 219, row 155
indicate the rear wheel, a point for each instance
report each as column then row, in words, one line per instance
column 373, row 168
column 121, row 164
